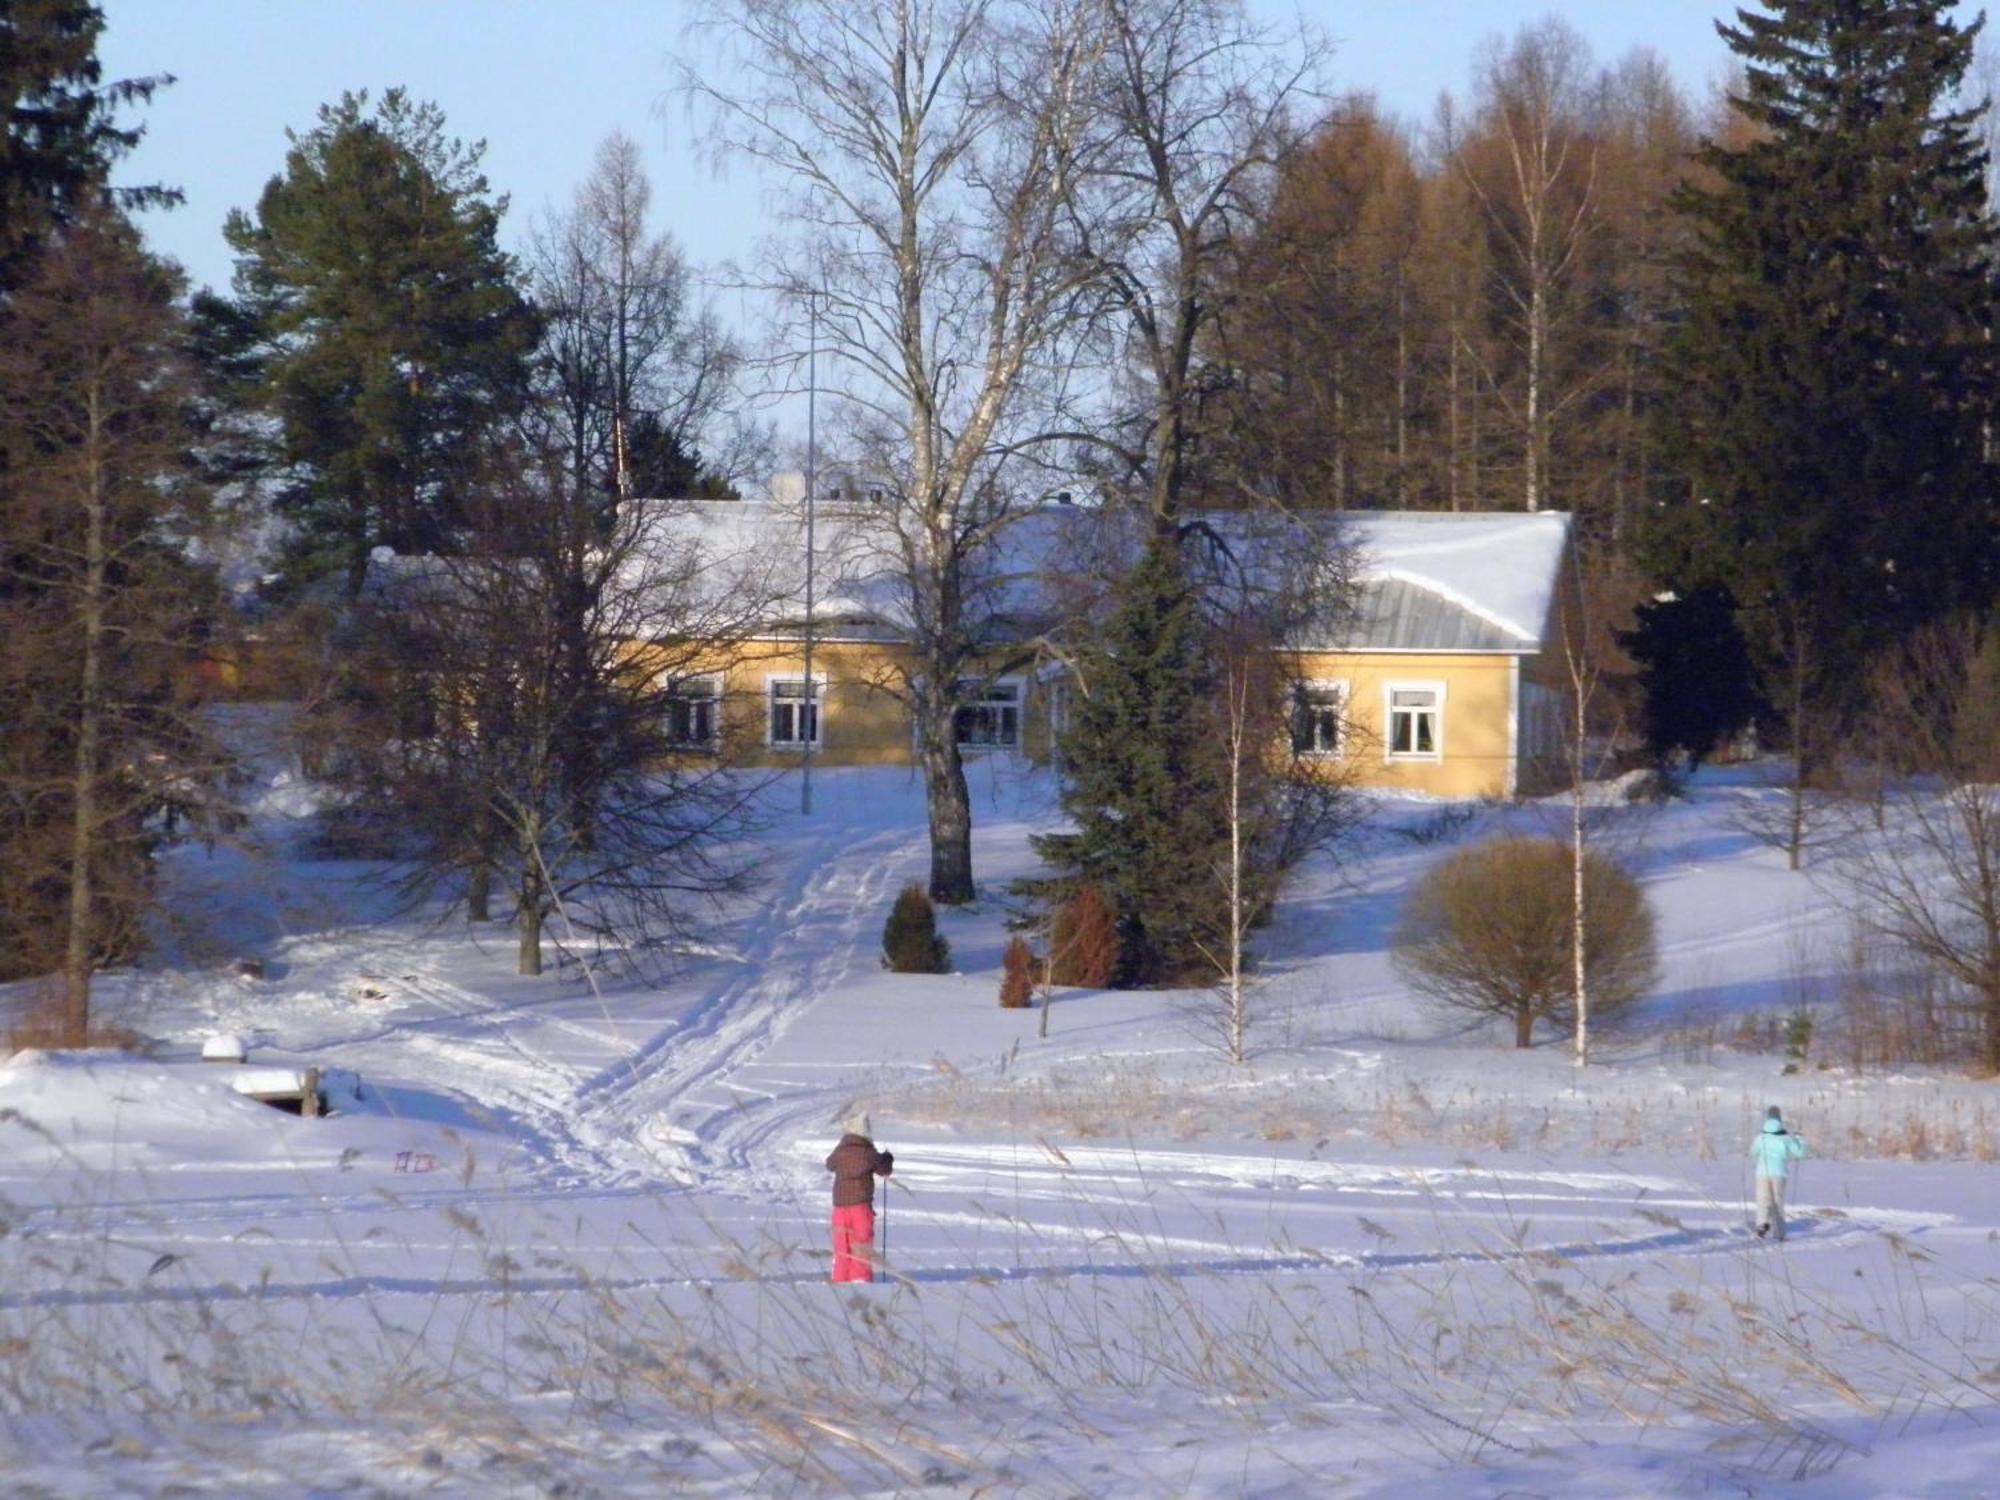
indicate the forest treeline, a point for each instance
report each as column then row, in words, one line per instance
column 1142, row 245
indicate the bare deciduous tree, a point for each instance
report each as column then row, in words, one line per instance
column 522, row 709
column 1924, row 866
column 922, row 143
column 1531, row 162
column 1492, row 930
column 1194, row 105
column 638, row 373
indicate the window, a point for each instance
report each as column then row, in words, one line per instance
column 992, row 719
column 1319, row 710
column 794, row 715
column 1416, row 720
column 694, row 716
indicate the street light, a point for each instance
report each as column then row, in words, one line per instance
column 811, row 709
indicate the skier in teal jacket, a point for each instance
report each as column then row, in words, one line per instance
column 1772, row 1155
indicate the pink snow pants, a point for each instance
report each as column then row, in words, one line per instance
column 854, row 1243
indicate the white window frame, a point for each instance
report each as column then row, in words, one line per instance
column 713, row 739
column 1421, row 757
column 1343, row 692
column 1019, row 705
column 817, row 698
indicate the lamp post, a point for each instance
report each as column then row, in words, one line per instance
column 810, row 710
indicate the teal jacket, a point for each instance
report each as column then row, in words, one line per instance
column 1773, row 1152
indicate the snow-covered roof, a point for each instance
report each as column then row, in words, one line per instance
column 860, row 568
column 1426, row 580
column 1453, row 580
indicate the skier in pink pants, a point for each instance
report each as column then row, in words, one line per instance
column 855, row 1164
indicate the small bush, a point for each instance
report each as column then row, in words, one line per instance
column 1490, row 930
column 1017, row 975
column 910, row 941
column 1083, row 939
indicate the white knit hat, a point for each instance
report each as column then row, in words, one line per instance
column 855, row 1122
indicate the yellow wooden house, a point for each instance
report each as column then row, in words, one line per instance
column 1441, row 673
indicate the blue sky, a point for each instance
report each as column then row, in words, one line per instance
column 542, row 83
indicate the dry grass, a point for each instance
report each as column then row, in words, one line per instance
column 1604, row 1115
column 38, row 1023
column 746, row 1372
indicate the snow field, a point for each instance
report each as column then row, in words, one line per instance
column 575, row 1235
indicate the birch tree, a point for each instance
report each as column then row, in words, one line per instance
column 1194, row 106
column 920, row 145
column 1532, row 166
column 635, row 368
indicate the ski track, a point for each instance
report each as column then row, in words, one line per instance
column 1127, row 1260
column 677, row 1093
column 680, row 1105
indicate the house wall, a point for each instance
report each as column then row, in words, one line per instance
column 1474, row 755
column 1547, row 673
column 864, row 723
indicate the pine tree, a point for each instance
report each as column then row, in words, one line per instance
column 1830, row 388
column 391, row 334
column 1141, row 779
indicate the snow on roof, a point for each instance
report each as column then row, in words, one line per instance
column 1499, row 567
column 859, row 566
column 1429, row 580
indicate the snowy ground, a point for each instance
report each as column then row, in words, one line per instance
column 570, row 1238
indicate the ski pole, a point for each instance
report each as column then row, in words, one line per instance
column 885, row 1221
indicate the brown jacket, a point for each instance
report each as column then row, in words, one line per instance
column 855, row 1164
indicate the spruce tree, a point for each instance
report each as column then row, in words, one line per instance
column 1141, row 770
column 1829, row 391
column 391, row 335
column 59, row 136
column 1694, row 674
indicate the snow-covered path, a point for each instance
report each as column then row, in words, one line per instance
column 680, row 1094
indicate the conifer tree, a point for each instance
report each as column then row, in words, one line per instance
column 102, row 753
column 58, row 131
column 1141, row 772
column 1831, row 386
column 391, row 335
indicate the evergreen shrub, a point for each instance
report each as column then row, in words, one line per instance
column 1084, row 940
column 1017, row 975
column 910, row 941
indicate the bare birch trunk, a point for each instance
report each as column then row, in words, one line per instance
column 1537, row 342
column 1455, row 458
column 948, row 800
column 1580, row 923
column 528, row 918
column 1402, row 395
column 1238, row 1012
column 529, row 925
